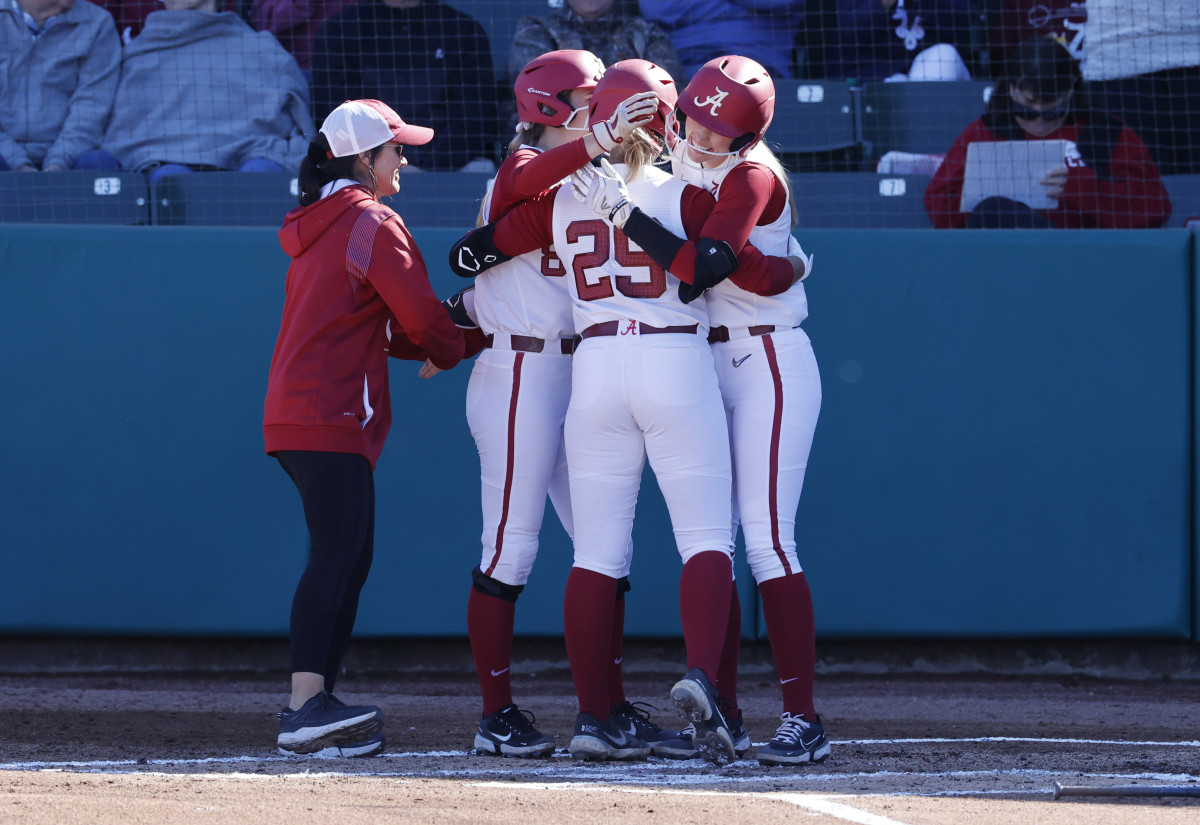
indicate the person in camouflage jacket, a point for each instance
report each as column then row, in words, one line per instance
column 598, row 27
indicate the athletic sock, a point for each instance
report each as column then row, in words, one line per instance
column 490, row 629
column 616, row 680
column 588, row 607
column 704, row 609
column 787, row 605
column 727, row 671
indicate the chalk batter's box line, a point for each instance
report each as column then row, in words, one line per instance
column 214, row 760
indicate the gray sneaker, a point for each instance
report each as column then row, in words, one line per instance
column 798, row 740
column 696, row 699
column 324, row 724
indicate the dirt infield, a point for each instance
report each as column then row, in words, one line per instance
column 159, row 731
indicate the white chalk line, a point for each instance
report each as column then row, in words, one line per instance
column 829, row 805
column 220, row 760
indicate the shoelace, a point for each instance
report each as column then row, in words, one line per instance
column 793, row 727
column 518, row 720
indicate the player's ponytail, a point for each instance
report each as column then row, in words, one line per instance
column 639, row 150
column 318, row 168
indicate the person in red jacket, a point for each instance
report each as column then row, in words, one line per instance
column 357, row 291
column 1108, row 179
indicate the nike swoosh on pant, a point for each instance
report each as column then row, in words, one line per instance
column 499, row 672
column 785, row 681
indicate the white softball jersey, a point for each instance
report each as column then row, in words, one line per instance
column 526, row 296
column 610, row 277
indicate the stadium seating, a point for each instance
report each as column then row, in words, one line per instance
column 815, row 128
column 223, row 199
column 859, row 200
column 446, row 199
column 261, row 199
column 1184, row 191
column 74, row 197
column 918, row 117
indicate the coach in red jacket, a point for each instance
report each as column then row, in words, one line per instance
column 357, row 290
column 1108, row 182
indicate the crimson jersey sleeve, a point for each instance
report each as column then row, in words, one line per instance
column 528, row 226
column 726, row 220
column 527, row 173
column 398, row 273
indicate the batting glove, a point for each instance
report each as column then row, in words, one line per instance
column 632, row 113
column 603, row 191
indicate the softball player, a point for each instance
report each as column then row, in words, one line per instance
column 642, row 384
column 524, row 309
column 766, row 369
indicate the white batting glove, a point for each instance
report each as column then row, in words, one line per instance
column 796, row 251
column 632, row 113
column 603, row 191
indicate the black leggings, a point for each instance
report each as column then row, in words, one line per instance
column 338, row 494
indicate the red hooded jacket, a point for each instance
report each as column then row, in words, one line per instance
column 357, row 291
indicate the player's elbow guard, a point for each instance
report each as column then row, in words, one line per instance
column 715, row 261
column 461, row 306
column 476, row 252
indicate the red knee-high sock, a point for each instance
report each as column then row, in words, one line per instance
column 490, row 629
column 616, row 681
column 704, row 609
column 588, row 606
column 787, row 605
column 727, row 671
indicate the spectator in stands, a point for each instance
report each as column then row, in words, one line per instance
column 596, row 26
column 130, row 15
column 295, row 23
column 202, row 91
column 701, row 30
column 895, row 40
column 426, row 58
column 59, row 64
column 1020, row 20
column 1142, row 62
column 1108, row 179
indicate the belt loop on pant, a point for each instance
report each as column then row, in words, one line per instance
column 527, row 343
column 608, row 328
column 719, row 335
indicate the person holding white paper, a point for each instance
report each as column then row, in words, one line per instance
column 1096, row 172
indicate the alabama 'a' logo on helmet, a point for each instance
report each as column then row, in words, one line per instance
column 713, row 101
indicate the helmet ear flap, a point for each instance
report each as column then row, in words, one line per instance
column 740, row 143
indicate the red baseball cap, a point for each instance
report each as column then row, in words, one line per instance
column 359, row 125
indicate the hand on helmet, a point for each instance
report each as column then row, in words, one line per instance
column 603, row 191
column 632, row 113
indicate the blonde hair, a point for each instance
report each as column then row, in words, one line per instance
column 641, row 149
column 762, row 153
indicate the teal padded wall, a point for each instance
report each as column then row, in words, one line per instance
column 136, row 497
column 1005, row 442
column 1005, row 446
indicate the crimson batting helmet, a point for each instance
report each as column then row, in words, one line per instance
column 733, row 96
column 543, row 86
column 628, row 77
